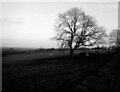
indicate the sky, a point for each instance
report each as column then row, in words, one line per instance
column 31, row 24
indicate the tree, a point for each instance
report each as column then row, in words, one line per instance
column 114, row 37
column 75, row 29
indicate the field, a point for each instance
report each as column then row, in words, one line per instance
column 55, row 71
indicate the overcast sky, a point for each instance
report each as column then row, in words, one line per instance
column 31, row 24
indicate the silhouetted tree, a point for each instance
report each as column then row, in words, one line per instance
column 75, row 29
column 114, row 37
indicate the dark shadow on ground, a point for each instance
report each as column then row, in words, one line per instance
column 96, row 72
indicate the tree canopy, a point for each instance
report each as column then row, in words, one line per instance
column 75, row 29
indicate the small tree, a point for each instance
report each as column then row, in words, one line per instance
column 114, row 37
column 75, row 29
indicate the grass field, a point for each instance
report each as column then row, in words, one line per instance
column 54, row 71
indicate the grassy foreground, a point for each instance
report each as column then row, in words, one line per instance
column 96, row 72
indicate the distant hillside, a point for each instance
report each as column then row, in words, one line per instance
column 11, row 51
column 17, row 48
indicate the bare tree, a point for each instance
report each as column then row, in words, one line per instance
column 114, row 37
column 75, row 29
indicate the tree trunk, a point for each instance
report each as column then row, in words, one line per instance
column 71, row 52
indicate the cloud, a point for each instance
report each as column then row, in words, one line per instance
column 8, row 21
column 108, row 6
